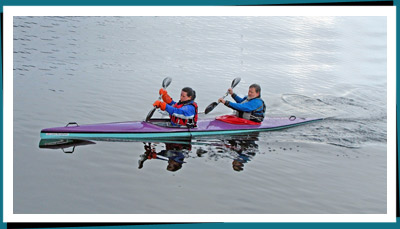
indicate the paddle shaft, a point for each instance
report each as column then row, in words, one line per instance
column 165, row 84
column 223, row 97
column 153, row 110
column 211, row 107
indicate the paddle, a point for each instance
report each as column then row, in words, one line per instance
column 165, row 83
column 211, row 107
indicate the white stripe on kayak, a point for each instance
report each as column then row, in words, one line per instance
column 182, row 116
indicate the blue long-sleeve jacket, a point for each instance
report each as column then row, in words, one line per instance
column 249, row 106
column 185, row 112
column 253, row 109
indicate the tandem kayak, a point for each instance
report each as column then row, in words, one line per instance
column 159, row 128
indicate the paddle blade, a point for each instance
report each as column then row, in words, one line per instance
column 210, row 107
column 148, row 117
column 166, row 82
column 235, row 82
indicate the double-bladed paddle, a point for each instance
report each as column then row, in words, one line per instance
column 165, row 83
column 211, row 107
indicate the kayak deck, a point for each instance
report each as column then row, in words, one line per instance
column 157, row 128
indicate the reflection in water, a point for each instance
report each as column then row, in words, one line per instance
column 246, row 150
column 240, row 149
column 63, row 144
column 174, row 154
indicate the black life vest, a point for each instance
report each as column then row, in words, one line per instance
column 257, row 115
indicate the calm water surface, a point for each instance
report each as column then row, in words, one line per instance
column 107, row 69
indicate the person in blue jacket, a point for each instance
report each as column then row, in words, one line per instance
column 251, row 107
column 183, row 113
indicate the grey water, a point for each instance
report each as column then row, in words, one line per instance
column 108, row 69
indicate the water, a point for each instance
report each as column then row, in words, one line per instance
column 107, row 69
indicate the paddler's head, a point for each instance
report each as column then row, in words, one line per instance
column 173, row 165
column 187, row 94
column 237, row 165
column 254, row 91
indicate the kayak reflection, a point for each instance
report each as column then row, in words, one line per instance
column 63, row 144
column 236, row 150
column 174, row 154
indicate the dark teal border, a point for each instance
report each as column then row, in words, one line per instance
column 2, row 225
column 171, row 2
column 202, row 2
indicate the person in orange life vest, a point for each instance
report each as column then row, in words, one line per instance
column 182, row 113
column 251, row 107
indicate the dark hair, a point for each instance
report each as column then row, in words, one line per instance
column 173, row 166
column 190, row 92
column 256, row 87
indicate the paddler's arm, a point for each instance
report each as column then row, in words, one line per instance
column 235, row 96
column 246, row 107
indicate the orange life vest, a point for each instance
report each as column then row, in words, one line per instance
column 191, row 122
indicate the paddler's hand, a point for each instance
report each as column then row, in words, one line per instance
column 160, row 104
column 166, row 98
column 223, row 101
column 162, row 91
column 230, row 91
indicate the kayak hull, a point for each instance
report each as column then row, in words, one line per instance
column 155, row 129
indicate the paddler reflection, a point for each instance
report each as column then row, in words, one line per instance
column 174, row 154
column 245, row 151
column 241, row 149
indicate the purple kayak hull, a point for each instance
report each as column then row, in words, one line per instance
column 152, row 129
